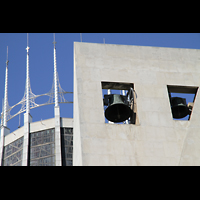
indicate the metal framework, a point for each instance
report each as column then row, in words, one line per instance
column 56, row 94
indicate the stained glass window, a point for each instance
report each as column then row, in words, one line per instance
column 42, row 151
column 13, row 153
column 67, row 146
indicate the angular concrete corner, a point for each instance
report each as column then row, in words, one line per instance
column 157, row 139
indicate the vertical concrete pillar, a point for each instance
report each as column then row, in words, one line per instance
column 27, row 121
column 4, row 131
column 58, row 161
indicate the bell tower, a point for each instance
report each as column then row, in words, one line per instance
column 153, row 78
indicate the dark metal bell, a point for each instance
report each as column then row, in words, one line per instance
column 179, row 107
column 118, row 109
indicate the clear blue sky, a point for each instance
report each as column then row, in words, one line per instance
column 41, row 62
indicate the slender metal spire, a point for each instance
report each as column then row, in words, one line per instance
column 54, row 42
column 55, row 74
column 6, row 93
column 7, row 58
column 27, row 79
column 2, row 112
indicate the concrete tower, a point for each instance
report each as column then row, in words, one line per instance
column 155, row 138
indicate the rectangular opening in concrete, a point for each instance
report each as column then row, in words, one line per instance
column 119, row 101
column 182, row 99
column 116, row 85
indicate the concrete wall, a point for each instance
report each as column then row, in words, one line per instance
column 158, row 139
column 42, row 125
column 66, row 122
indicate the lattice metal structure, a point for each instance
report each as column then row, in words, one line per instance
column 37, row 147
column 56, row 94
column 33, row 104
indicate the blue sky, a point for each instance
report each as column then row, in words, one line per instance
column 41, row 62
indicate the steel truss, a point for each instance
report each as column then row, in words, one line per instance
column 33, row 104
column 56, row 94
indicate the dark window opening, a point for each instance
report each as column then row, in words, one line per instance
column 182, row 99
column 119, row 100
column 67, row 146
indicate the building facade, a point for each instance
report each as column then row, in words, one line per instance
column 154, row 73
column 151, row 135
column 41, row 145
column 44, row 143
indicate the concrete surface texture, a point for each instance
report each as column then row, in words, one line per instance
column 158, row 139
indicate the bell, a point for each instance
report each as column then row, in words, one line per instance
column 179, row 107
column 118, row 109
